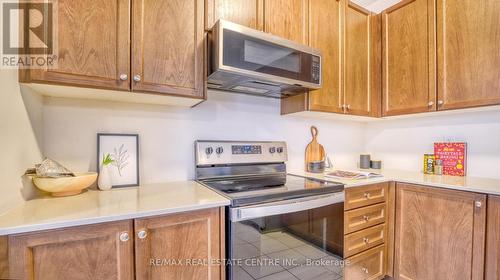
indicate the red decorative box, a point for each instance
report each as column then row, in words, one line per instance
column 454, row 157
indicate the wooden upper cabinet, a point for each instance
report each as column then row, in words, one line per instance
column 287, row 19
column 249, row 13
column 168, row 47
column 358, row 60
column 87, row 252
column 468, row 53
column 493, row 239
column 325, row 33
column 440, row 234
column 182, row 237
column 409, row 71
column 93, row 45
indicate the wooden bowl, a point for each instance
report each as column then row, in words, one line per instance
column 66, row 186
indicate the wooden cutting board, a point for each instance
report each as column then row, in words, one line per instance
column 314, row 150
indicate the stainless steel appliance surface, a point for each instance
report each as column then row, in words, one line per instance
column 277, row 225
column 249, row 61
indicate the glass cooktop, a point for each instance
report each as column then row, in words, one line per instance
column 260, row 189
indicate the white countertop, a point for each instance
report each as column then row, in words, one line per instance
column 471, row 184
column 104, row 206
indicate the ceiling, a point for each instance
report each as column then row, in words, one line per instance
column 376, row 5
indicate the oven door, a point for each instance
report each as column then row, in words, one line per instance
column 289, row 239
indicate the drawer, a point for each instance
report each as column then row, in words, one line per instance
column 363, row 196
column 365, row 217
column 368, row 265
column 363, row 240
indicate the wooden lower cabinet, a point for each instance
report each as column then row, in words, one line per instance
column 439, row 233
column 86, row 252
column 190, row 241
column 187, row 245
column 493, row 239
column 369, row 265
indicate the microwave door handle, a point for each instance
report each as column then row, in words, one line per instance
column 284, row 207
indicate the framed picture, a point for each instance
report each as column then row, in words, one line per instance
column 123, row 149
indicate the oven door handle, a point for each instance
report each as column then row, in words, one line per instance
column 284, row 207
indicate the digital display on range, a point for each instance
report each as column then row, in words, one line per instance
column 246, row 149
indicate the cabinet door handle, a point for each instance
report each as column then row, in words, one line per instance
column 430, row 104
column 124, row 237
column 440, row 102
column 365, row 270
column 348, row 107
column 123, row 77
column 142, row 234
column 366, row 218
column 366, row 240
column 478, row 204
column 137, row 78
column 367, row 195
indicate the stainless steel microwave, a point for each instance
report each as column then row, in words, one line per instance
column 249, row 61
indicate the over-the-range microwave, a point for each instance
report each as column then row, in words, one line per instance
column 249, row 61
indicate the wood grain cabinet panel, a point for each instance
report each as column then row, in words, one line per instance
column 287, row 19
column 194, row 237
column 93, row 45
column 440, row 234
column 168, row 47
column 493, row 239
column 364, row 239
column 364, row 196
column 468, row 53
column 87, row 252
column 368, row 265
column 365, row 217
column 325, row 33
column 249, row 13
column 358, row 60
column 409, row 71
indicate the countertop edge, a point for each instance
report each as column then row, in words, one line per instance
column 112, row 218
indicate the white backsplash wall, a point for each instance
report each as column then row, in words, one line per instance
column 20, row 121
column 401, row 143
column 167, row 134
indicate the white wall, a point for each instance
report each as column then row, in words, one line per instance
column 401, row 143
column 20, row 121
column 167, row 134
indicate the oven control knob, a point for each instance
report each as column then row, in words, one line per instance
column 209, row 150
column 280, row 150
column 219, row 150
column 272, row 150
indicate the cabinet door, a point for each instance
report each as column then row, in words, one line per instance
column 493, row 239
column 409, row 58
column 325, row 33
column 358, row 59
column 86, row 252
column 440, row 233
column 93, row 45
column 468, row 53
column 245, row 12
column 167, row 47
column 180, row 246
column 287, row 19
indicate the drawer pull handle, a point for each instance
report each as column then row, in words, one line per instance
column 367, row 195
column 366, row 240
column 142, row 234
column 124, row 236
column 365, row 270
column 366, row 218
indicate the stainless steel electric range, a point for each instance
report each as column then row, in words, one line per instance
column 278, row 225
